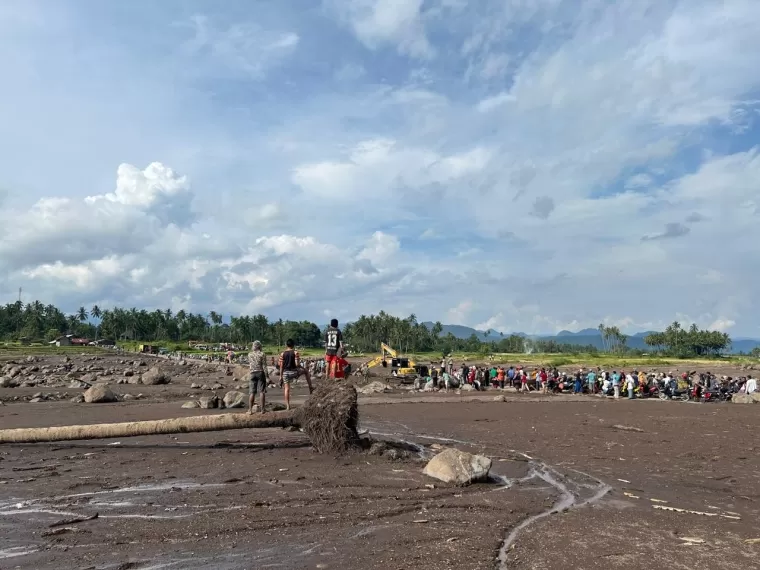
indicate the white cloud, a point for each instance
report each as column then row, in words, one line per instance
column 380, row 22
column 243, row 47
column 538, row 142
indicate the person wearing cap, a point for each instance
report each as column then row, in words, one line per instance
column 257, row 382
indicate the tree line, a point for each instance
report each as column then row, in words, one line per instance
column 37, row 322
column 410, row 336
column 683, row 343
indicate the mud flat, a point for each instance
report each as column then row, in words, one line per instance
column 568, row 490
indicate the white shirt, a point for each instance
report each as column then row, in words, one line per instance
column 629, row 382
column 751, row 385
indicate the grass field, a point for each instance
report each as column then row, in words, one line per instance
column 11, row 350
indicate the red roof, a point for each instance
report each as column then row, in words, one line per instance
column 80, row 341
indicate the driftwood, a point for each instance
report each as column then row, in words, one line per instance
column 329, row 418
column 218, row 422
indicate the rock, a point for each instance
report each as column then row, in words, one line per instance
column 240, row 373
column 374, row 388
column 134, row 380
column 8, row 382
column 128, row 397
column 467, row 388
column 13, row 372
column 30, row 358
column 90, row 378
column 77, row 384
column 500, row 399
column 195, row 386
column 234, row 399
column 276, row 407
column 78, row 399
column 36, row 400
column 129, row 373
column 742, row 399
column 38, row 395
column 208, row 402
column 458, row 467
column 191, row 404
column 755, row 396
column 99, row 393
column 155, row 376
column 217, row 386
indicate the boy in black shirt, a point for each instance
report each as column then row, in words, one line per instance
column 333, row 344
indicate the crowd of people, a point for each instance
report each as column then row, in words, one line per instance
column 632, row 383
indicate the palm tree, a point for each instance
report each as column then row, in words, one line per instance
column 82, row 314
column 96, row 313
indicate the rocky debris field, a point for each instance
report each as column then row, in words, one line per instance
column 516, row 481
column 113, row 378
column 519, row 485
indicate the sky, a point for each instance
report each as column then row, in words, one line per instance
column 513, row 165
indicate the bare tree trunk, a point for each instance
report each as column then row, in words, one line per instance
column 153, row 427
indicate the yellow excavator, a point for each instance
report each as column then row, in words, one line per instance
column 400, row 366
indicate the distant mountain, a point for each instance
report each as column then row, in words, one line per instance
column 583, row 337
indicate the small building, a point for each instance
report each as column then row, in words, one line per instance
column 61, row 341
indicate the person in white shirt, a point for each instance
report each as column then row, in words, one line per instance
column 630, row 385
column 605, row 384
column 751, row 385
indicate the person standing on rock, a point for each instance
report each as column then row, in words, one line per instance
column 289, row 368
column 257, row 382
column 333, row 344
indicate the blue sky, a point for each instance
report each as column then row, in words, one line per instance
column 509, row 164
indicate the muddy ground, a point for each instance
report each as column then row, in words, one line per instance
column 264, row 499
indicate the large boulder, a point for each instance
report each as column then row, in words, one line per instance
column 742, row 399
column 234, row 399
column 458, row 467
column 8, row 382
column 208, row 402
column 240, row 373
column 190, row 404
column 374, row 388
column 155, row 376
column 99, row 393
column 755, row 396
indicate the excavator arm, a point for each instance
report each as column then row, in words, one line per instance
column 385, row 348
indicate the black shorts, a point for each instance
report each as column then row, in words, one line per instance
column 257, row 383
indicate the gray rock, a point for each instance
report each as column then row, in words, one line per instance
column 13, row 372
column 129, row 373
column 742, row 399
column 217, row 386
column 195, row 386
column 134, row 380
column 36, row 400
column 458, row 467
column 191, row 404
column 467, row 388
column 155, row 376
column 8, row 382
column 234, row 399
column 78, row 399
column 77, row 384
column 128, row 397
column 99, row 393
column 208, row 402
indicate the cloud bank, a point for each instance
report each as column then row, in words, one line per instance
column 522, row 167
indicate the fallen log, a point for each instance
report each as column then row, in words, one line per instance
column 218, row 422
column 329, row 418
